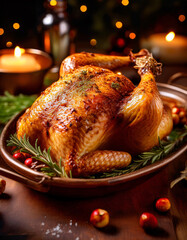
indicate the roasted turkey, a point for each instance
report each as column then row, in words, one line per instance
column 94, row 119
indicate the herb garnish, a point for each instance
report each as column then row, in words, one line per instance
column 115, row 85
column 165, row 147
column 52, row 169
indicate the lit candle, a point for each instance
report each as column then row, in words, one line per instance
column 19, row 62
column 169, row 48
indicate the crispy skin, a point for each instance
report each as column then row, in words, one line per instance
column 91, row 113
column 76, row 114
column 143, row 119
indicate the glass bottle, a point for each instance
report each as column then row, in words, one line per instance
column 55, row 30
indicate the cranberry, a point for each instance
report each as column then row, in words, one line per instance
column 99, row 218
column 163, row 204
column 28, row 162
column 19, row 156
column 148, row 221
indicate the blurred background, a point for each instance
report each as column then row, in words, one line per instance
column 63, row 27
column 109, row 26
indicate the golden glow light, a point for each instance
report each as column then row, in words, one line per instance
column 132, row 35
column 1, row 31
column 9, row 44
column 83, row 8
column 119, row 24
column 182, row 18
column 18, row 51
column 93, row 42
column 53, row 3
column 16, row 26
column 170, row 36
column 125, row 2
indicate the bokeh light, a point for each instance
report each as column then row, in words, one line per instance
column 125, row 2
column 93, row 42
column 53, row 3
column 182, row 18
column 9, row 44
column 16, row 26
column 132, row 35
column 83, row 8
column 119, row 73
column 120, row 42
column 119, row 24
column 1, row 31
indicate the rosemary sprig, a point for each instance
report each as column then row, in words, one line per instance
column 10, row 105
column 51, row 169
column 165, row 147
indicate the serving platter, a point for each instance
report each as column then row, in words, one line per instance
column 79, row 187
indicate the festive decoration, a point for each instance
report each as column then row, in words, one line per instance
column 148, row 221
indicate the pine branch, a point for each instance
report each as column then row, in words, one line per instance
column 23, row 144
column 10, row 105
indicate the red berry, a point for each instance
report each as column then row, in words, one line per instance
column 148, row 221
column 99, row 218
column 163, row 204
column 28, row 162
column 19, row 156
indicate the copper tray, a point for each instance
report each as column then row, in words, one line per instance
column 85, row 187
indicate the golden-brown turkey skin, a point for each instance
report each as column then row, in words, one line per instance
column 76, row 114
column 144, row 119
column 90, row 110
column 95, row 59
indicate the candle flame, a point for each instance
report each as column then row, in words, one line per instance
column 170, row 36
column 18, row 51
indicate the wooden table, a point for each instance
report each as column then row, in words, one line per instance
column 27, row 214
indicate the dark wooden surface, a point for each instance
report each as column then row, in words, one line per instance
column 27, row 214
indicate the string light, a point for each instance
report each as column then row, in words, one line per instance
column 125, row 2
column 9, row 44
column 1, row 31
column 16, row 26
column 132, row 35
column 119, row 24
column 182, row 18
column 93, row 42
column 83, row 8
